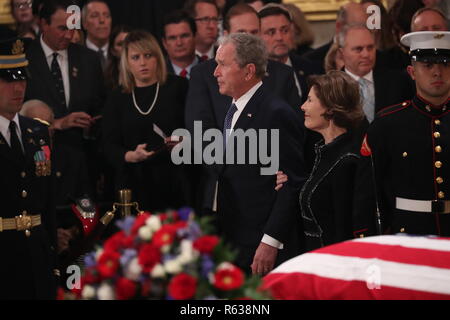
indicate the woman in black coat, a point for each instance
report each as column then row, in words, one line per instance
column 148, row 96
column 328, row 199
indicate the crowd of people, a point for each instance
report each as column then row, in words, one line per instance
column 360, row 127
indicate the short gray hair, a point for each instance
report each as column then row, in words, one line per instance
column 249, row 49
column 343, row 34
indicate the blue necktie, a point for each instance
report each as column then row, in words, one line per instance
column 227, row 123
column 368, row 98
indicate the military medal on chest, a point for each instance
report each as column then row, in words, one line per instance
column 43, row 162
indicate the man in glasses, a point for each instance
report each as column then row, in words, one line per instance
column 206, row 16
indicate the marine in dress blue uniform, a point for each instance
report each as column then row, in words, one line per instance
column 410, row 144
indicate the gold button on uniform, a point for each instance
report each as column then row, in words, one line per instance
column 24, row 194
column 405, row 154
column 438, row 164
column 437, row 135
column 24, row 212
column 438, row 149
column 437, row 122
column 58, row 174
column 439, row 180
column 402, row 230
column 441, row 195
column 23, row 174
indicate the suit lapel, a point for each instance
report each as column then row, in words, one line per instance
column 250, row 110
column 74, row 69
column 379, row 90
column 29, row 143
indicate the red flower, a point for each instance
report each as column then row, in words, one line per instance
column 182, row 287
column 165, row 235
column 139, row 222
column 206, row 244
column 108, row 263
column 149, row 256
column 118, row 241
column 229, row 278
column 125, row 289
column 89, row 276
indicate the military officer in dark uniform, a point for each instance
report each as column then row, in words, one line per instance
column 27, row 226
column 410, row 144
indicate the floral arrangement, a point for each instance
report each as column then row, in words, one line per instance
column 170, row 255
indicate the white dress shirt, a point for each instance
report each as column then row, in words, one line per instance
column 4, row 129
column 371, row 84
column 210, row 53
column 297, row 83
column 240, row 105
column 92, row 46
column 178, row 70
column 63, row 60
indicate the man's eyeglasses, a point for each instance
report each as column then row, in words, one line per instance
column 206, row 20
column 23, row 5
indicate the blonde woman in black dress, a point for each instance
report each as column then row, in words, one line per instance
column 147, row 96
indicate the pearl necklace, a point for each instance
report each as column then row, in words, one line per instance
column 153, row 104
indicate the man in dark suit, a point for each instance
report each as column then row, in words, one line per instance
column 205, row 103
column 253, row 216
column 27, row 221
column 66, row 76
column 380, row 87
column 179, row 41
column 276, row 31
column 350, row 13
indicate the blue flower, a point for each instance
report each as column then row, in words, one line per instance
column 184, row 213
column 126, row 224
column 207, row 265
column 89, row 260
column 127, row 256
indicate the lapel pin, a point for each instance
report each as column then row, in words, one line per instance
column 29, row 130
column 75, row 72
column 31, row 141
column 249, row 115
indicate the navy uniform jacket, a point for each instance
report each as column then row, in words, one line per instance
column 410, row 146
column 27, row 263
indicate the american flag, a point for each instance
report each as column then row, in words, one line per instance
column 400, row 267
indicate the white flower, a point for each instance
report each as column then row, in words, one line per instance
column 165, row 248
column 98, row 253
column 145, row 233
column 188, row 254
column 173, row 266
column 105, row 292
column 225, row 265
column 158, row 271
column 88, row 292
column 133, row 271
column 154, row 223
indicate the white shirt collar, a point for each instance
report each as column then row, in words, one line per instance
column 288, row 62
column 245, row 98
column 49, row 52
column 4, row 127
column 368, row 76
column 177, row 69
column 92, row 46
column 210, row 53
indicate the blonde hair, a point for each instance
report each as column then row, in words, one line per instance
column 305, row 35
column 144, row 42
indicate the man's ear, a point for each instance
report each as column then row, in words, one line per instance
column 411, row 71
column 250, row 72
column 164, row 43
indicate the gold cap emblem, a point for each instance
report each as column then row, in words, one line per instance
column 18, row 47
column 439, row 36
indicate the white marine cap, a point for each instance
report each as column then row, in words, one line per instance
column 428, row 46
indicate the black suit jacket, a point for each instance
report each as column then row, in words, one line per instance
column 27, row 263
column 248, row 205
column 391, row 87
column 302, row 69
column 318, row 55
column 86, row 85
column 205, row 103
